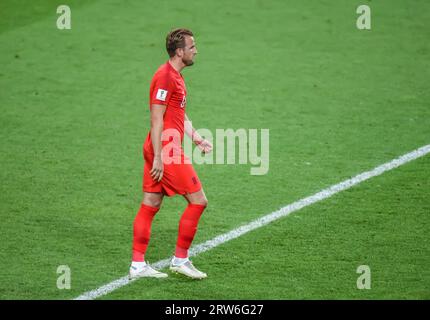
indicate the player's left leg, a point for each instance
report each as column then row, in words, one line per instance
column 197, row 203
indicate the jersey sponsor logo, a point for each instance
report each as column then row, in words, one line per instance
column 161, row 94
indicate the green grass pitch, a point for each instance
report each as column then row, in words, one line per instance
column 337, row 101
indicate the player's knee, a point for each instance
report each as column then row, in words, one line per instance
column 200, row 202
column 203, row 201
column 155, row 203
column 152, row 201
column 197, row 198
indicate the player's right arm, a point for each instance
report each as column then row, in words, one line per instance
column 157, row 115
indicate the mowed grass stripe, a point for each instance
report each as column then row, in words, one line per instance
column 314, row 253
column 283, row 212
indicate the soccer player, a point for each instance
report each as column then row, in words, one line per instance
column 167, row 171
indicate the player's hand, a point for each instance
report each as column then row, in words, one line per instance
column 205, row 146
column 157, row 169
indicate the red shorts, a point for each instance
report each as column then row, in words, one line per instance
column 178, row 178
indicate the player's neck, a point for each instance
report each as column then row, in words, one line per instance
column 177, row 64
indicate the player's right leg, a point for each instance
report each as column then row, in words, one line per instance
column 141, row 235
column 197, row 203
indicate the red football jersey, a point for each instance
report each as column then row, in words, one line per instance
column 168, row 88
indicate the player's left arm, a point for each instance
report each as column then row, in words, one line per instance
column 203, row 144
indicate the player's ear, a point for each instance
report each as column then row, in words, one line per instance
column 180, row 52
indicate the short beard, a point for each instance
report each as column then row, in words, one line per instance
column 188, row 62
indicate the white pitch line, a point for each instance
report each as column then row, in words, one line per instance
column 285, row 211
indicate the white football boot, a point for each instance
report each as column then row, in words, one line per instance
column 187, row 269
column 141, row 270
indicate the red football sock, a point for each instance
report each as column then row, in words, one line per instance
column 188, row 228
column 142, row 231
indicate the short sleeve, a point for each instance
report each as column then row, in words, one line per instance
column 162, row 89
